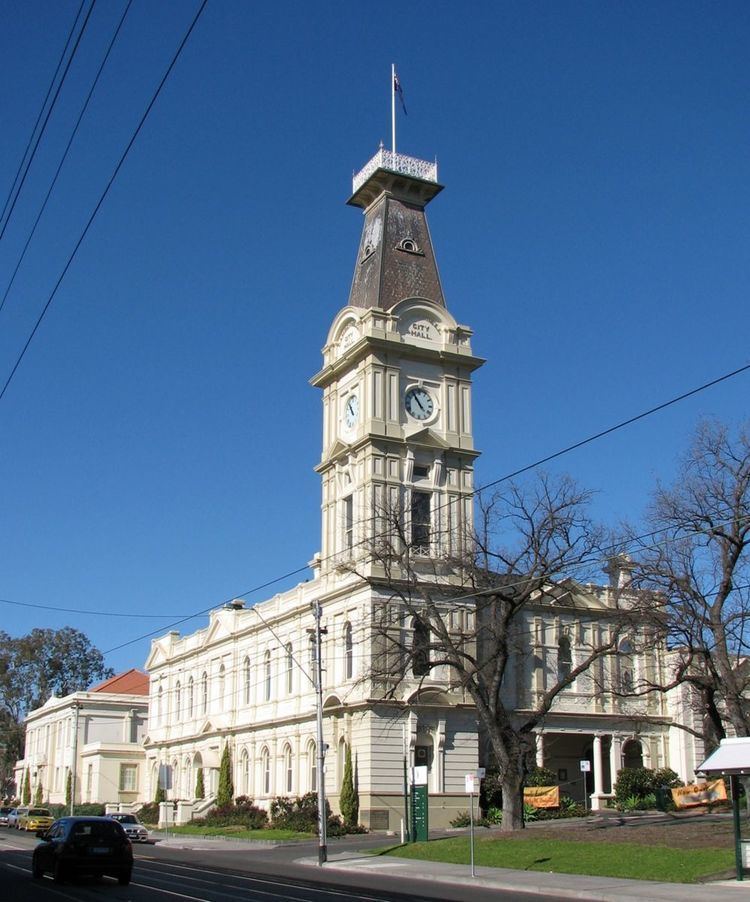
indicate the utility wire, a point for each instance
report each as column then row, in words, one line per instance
column 46, row 119
column 48, row 607
column 103, row 196
column 41, row 111
column 65, row 154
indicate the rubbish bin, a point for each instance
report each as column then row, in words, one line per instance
column 663, row 796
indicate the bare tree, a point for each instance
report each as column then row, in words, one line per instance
column 471, row 613
column 697, row 558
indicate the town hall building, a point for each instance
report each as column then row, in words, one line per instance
column 396, row 385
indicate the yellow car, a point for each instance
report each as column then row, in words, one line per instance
column 35, row 819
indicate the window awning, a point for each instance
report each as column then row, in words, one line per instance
column 731, row 757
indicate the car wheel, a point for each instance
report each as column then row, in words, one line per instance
column 36, row 869
column 124, row 878
column 59, row 873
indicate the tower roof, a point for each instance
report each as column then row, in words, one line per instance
column 395, row 259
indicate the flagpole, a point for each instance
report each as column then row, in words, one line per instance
column 393, row 107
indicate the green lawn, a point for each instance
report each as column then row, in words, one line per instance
column 238, row 832
column 599, row 859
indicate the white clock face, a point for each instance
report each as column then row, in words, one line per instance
column 351, row 410
column 419, row 403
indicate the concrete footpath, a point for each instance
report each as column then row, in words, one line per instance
column 606, row 889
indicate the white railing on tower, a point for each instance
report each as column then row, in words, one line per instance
column 395, row 162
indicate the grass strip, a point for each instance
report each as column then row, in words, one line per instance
column 596, row 859
column 239, row 832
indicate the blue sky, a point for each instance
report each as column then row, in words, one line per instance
column 159, row 437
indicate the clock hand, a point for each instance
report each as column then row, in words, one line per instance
column 421, row 406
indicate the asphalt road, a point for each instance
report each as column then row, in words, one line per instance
column 212, row 875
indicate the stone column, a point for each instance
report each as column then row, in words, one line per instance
column 615, row 757
column 539, row 749
column 596, row 796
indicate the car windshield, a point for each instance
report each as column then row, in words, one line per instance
column 39, row 812
column 5, row 810
column 126, row 818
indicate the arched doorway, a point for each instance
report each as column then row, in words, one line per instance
column 632, row 754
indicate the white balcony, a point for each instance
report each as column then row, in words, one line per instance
column 395, row 162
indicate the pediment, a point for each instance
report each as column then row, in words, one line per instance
column 338, row 449
column 426, row 438
column 570, row 594
column 218, row 629
column 156, row 657
column 206, row 727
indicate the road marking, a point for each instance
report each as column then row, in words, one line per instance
column 168, row 892
column 42, row 884
column 287, row 886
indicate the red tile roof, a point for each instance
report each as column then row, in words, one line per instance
column 131, row 682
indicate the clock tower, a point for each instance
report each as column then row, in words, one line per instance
column 396, row 380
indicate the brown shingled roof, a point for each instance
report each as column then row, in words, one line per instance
column 131, row 682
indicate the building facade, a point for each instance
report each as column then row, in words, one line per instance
column 92, row 739
column 396, row 386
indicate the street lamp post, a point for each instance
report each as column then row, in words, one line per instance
column 322, row 825
column 74, row 769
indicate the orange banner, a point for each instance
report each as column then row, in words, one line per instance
column 699, row 794
column 542, row 796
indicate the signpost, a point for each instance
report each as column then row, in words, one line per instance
column 419, row 807
column 472, row 788
column 165, row 783
column 585, row 769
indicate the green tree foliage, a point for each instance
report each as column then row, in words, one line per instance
column 541, row 776
column 39, row 795
column 225, row 792
column 34, row 667
column 160, row 795
column 68, row 789
column 200, row 789
column 26, row 794
column 349, row 799
column 640, row 782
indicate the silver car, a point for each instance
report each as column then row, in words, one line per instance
column 4, row 812
column 134, row 829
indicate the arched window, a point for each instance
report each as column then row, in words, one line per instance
column 267, row 676
column 312, row 663
column 204, row 693
column 341, row 761
column 191, row 698
column 178, row 701
column 247, row 672
column 289, row 668
column 175, row 792
column 348, row 652
column 312, row 767
column 265, row 766
column 158, row 704
column 564, row 658
column 245, row 773
column 420, row 653
column 187, row 785
column 222, row 684
column 288, row 772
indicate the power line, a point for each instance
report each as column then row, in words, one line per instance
column 46, row 119
column 104, row 195
column 41, row 111
column 88, row 613
column 65, row 154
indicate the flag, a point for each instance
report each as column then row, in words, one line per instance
column 397, row 89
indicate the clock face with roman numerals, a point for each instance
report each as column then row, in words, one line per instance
column 351, row 411
column 419, row 403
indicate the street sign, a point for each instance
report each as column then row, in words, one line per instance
column 585, row 767
column 472, row 784
column 165, row 776
column 481, row 773
column 419, row 776
column 419, row 814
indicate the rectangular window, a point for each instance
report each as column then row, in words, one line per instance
column 348, row 523
column 128, row 777
column 420, row 520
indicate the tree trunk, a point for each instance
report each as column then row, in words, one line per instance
column 512, row 784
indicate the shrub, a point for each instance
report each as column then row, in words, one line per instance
column 241, row 813
column 226, row 786
column 665, row 776
column 149, row 813
column 530, row 813
column 349, row 799
column 300, row 814
column 462, row 819
column 200, row 791
column 494, row 815
column 634, row 781
column 541, row 776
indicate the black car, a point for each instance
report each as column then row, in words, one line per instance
column 83, row 845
